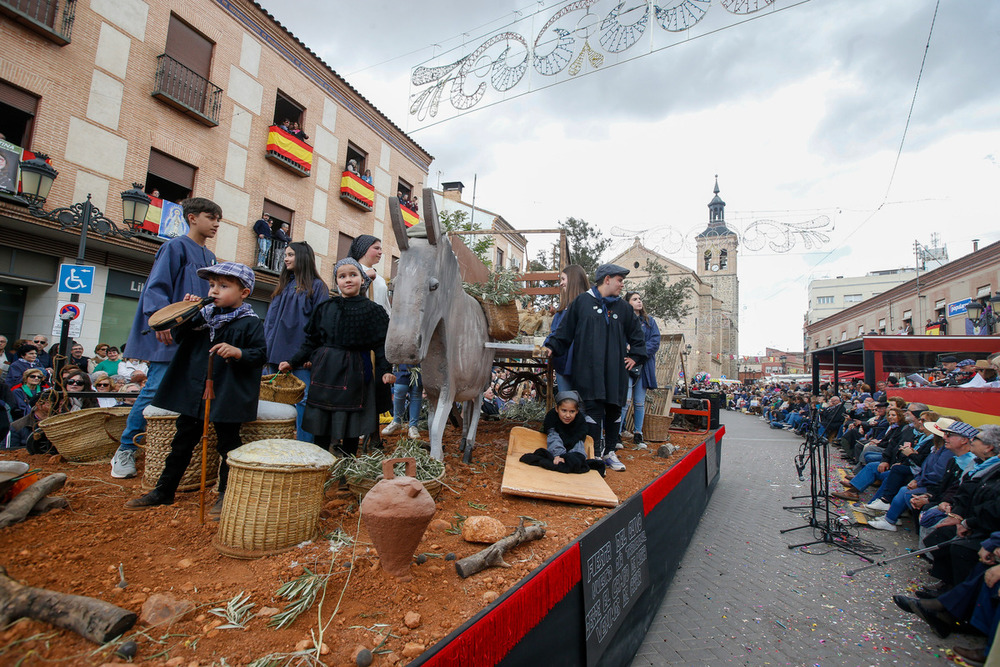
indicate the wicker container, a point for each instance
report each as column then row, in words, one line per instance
column 275, row 420
column 282, row 388
column 656, row 421
column 273, row 499
column 82, row 436
column 502, row 320
column 656, row 428
column 161, row 426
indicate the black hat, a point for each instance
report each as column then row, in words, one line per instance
column 605, row 270
column 949, row 359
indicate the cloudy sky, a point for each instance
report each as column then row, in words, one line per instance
column 800, row 112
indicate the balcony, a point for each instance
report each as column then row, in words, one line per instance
column 52, row 19
column 410, row 217
column 289, row 151
column 187, row 91
column 356, row 191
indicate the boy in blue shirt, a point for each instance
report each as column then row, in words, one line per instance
column 174, row 275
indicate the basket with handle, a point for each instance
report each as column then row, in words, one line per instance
column 161, row 427
column 84, row 436
column 282, row 388
column 502, row 319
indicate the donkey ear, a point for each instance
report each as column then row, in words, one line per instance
column 431, row 220
column 398, row 226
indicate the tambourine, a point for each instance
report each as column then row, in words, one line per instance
column 168, row 317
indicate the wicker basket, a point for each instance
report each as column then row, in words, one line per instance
column 160, row 431
column 268, row 430
column 656, row 428
column 271, row 506
column 655, row 424
column 282, row 388
column 361, row 487
column 502, row 320
column 117, row 419
column 83, row 436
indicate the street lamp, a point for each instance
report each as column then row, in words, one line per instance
column 37, row 176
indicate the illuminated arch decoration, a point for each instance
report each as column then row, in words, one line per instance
column 758, row 236
column 580, row 36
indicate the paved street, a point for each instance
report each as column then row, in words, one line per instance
column 741, row 597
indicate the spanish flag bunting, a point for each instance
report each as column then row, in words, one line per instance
column 933, row 329
column 409, row 217
column 153, row 214
column 352, row 185
column 289, row 147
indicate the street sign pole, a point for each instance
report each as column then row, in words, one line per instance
column 86, row 213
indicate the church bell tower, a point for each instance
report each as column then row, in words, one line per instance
column 717, row 248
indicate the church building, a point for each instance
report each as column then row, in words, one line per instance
column 711, row 327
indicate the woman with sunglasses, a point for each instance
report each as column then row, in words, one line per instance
column 102, row 382
column 27, row 359
column 80, row 381
column 27, row 392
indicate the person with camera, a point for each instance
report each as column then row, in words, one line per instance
column 641, row 377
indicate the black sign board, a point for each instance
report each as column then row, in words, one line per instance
column 615, row 573
column 711, row 458
column 125, row 284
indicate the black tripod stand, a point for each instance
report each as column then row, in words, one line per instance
column 815, row 452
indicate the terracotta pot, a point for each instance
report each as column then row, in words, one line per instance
column 396, row 513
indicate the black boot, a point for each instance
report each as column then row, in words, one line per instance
column 216, row 509
column 154, row 498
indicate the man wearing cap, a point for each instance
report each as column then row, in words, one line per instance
column 605, row 332
column 173, row 276
column 229, row 329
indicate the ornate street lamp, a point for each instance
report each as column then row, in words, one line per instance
column 37, row 176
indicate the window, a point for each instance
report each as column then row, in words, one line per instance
column 708, row 259
column 17, row 114
column 829, row 341
column 499, row 258
column 723, row 259
column 982, row 291
column 824, row 300
column 168, row 178
column 285, row 108
column 280, row 219
column 853, row 298
column 403, row 188
column 843, row 335
column 344, row 245
column 861, row 331
column 514, row 264
column 907, row 314
column 182, row 73
column 359, row 156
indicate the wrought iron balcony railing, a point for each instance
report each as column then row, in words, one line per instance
column 53, row 19
column 186, row 90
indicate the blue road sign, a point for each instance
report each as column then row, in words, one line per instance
column 76, row 279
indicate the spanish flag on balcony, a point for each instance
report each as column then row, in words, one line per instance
column 289, row 147
column 409, row 217
column 351, row 184
column 153, row 214
column 933, row 329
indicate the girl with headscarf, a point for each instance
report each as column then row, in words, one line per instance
column 345, row 341
column 367, row 250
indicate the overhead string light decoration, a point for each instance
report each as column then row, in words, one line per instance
column 578, row 38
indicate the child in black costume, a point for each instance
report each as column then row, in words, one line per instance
column 566, row 433
column 230, row 329
column 340, row 336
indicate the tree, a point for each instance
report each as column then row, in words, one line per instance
column 586, row 244
column 662, row 299
column 455, row 221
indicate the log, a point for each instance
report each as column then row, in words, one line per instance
column 92, row 619
column 48, row 503
column 492, row 556
column 17, row 510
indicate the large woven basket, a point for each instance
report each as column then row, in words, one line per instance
column 282, row 388
column 160, row 431
column 84, row 436
column 656, row 428
column 656, row 424
column 268, row 430
column 502, row 320
column 273, row 499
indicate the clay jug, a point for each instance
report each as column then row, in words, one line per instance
column 396, row 513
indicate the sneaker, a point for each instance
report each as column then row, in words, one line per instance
column 414, row 433
column 619, row 445
column 123, row 464
column 393, row 427
column 878, row 504
column 881, row 523
column 637, row 438
column 641, row 445
column 626, row 435
column 611, row 461
column 152, row 499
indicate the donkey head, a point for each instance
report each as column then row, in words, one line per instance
column 426, row 282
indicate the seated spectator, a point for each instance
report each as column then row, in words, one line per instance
column 110, row 365
column 24, row 432
column 26, row 392
column 104, row 383
column 131, row 388
column 27, row 359
column 100, row 354
column 80, row 381
column 879, row 468
column 76, row 357
column 138, row 378
column 129, row 366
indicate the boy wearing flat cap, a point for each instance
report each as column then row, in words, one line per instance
column 231, row 330
column 607, row 342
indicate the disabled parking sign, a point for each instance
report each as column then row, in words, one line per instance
column 76, row 279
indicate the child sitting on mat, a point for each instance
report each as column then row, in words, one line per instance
column 566, row 432
column 231, row 330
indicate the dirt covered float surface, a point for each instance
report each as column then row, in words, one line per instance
column 167, row 551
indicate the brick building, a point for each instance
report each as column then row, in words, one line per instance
column 508, row 250
column 187, row 98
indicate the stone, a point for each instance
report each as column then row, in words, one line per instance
column 666, row 450
column 304, row 645
column 413, row 649
column 324, row 649
column 174, row 662
column 161, row 609
column 440, row 525
column 185, row 563
column 411, row 619
column 393, row 658
column 490, row 596
column 483, row 530
column 267, row 612
column 187, row 587
column 362, row 657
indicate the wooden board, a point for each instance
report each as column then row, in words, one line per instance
column 521, row 479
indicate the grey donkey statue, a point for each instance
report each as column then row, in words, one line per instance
column 437, row 325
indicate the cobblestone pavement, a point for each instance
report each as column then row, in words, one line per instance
column 741, row 597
